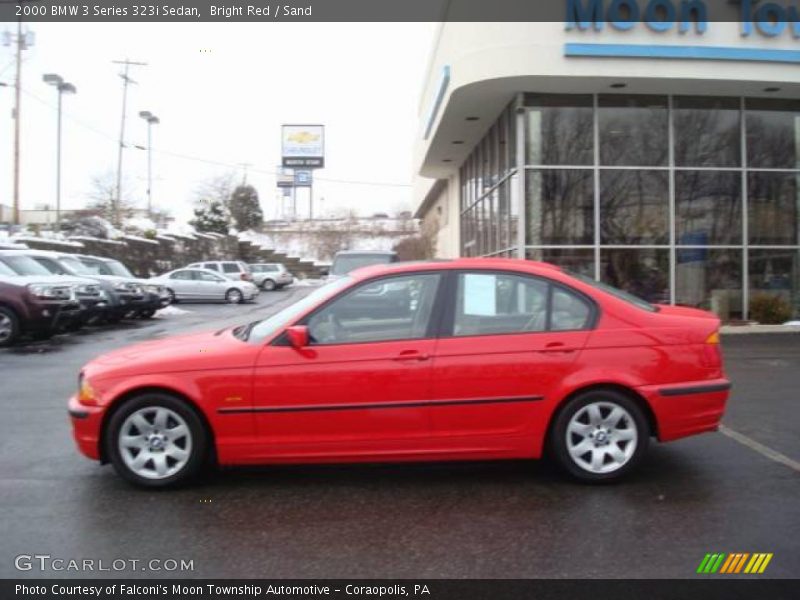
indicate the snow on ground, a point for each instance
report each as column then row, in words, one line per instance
column 308, row 282
column 172, row 311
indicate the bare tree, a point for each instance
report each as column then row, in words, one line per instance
column 102, row 196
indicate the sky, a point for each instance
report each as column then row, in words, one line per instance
column 221, row 92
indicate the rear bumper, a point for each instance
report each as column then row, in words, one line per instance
column 688, row 408
column 86, row 423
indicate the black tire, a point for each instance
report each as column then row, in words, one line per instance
column 114, row 318
column 172, row 298
column 147, row 314
column 41, row 335
column 268, row 285
column 234, row 296
column 558, row 444
column 10, row 327
column 198, row 455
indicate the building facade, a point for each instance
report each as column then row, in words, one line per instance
column 664, row 161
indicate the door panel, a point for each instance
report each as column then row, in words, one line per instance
column 362, row 388
column 507, row 378
column 346, row 396
column 502, row 358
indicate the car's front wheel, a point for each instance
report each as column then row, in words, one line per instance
column 9, row 326
column 156, row 440
column 600, row 435
column 234, row 296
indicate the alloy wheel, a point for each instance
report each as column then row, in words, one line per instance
column 601, row 437
column 234, row 296
column 155, row 442
column 6, row 329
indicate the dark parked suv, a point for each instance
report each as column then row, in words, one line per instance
column 37, row 309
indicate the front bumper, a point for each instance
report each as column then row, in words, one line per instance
column 687, row 408
column 86, row 427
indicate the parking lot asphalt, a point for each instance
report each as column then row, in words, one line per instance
column 720, row 492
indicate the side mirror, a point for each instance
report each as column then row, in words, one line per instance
column 298, row 336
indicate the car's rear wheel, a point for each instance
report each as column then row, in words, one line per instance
column 268, row 285
column 9, row 326
column 155, row 440
column 600, row 435
column 234, row 296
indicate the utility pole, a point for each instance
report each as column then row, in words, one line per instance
column 22, row 42
column 125, row 81
column 244, row 172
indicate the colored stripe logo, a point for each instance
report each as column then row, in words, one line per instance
column 734, row 563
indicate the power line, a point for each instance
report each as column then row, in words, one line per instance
column 218, row 163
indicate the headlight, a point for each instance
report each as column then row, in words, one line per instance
column 153, row 289
column 89, row 288
column 121, row 286
column 52, row 292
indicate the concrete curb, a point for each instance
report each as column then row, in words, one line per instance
column 745, row 329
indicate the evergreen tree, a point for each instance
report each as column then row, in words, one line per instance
column 245, row 208
column 211, row 216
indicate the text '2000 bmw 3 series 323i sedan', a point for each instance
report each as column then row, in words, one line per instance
column 462, row 360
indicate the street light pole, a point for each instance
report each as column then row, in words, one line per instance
column 151, row 120
column 63, row 88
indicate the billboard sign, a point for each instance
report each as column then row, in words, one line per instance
column 303, row 177
column 303, row 146
column 284, row 177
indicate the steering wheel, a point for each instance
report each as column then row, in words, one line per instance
column 329, row 330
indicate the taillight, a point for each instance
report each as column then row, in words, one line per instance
column 247, row 277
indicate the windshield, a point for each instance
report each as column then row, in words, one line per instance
column 24, row 265
column 621, row 294
column 4, row 270
column 117, row 268
column 261, row 330
column 96, row 267
column 76, row 266
column 342, row 265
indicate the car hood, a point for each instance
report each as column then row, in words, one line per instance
column 46, row 279
column 209, row 350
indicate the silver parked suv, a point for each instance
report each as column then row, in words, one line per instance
column 271, row 276
column 232, row 269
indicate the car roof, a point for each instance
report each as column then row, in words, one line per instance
column 507, row 264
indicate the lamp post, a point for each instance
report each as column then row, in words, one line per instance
column 151, row 120
column 63, row 88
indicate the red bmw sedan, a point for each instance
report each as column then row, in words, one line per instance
column 460, row 360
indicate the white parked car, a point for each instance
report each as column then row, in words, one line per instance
column 189, row 284
column 271, row 276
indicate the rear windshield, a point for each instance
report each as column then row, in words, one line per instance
column 621, row 294
column 342, row 265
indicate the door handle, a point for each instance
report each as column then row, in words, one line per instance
column 554, row 347
column 411, row 355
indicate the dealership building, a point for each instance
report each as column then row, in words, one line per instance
column 660, row 157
